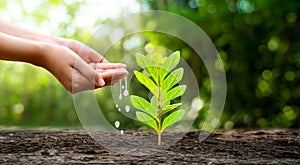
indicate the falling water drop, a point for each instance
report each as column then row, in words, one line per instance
column 127, row 108
column 117, row 124
column 120, row 96
column 125, row 93
column 117, row 106
column 122, row 132
column 123, row 87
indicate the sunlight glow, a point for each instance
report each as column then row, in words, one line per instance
column 103, row 9
column 86, row 16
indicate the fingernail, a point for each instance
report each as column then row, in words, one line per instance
column 101, row 82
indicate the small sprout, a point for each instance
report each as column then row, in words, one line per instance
column 161, row 81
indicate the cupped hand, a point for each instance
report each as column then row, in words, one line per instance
column 76, row 74
column 111, row 72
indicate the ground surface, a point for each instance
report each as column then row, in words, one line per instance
column 221, row 147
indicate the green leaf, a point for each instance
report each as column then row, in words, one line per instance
column 153, row 101
column 172, row 61
column 172, row 118
column 169, row 108
column 172, row 79
column 158, row 93
column 154, row 73
column 165, row 103
column 175, row 92
column 157, row 73
column 139, row 102
column 153, row 111
column 143, row 117
column 146, row 81
column 163, row 73
column 143, row 105
column 143, row 61
column 156, row 58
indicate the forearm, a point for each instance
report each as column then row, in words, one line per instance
column 18, row 49
column 14, row 30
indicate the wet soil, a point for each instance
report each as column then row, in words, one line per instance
column 271, row 146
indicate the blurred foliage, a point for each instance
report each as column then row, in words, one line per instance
column 261, row 54
column 31, row 96
column 257, row 41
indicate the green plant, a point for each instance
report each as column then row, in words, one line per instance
column 161, row 81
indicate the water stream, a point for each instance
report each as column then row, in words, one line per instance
column 123, row 93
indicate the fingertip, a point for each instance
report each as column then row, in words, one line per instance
column 123, row 65
column 125, row 74
column 101, row 82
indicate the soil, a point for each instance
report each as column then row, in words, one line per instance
column 269, row 146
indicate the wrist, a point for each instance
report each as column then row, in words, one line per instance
column 41, row 55
column 47, row 39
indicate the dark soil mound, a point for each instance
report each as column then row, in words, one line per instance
column 221, row 147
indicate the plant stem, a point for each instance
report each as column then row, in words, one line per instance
column 159, row 110
column 159, row 132
column 158, row 138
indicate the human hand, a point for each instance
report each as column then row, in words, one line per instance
column 110, row 73
column 88, row 54
column 75, row 74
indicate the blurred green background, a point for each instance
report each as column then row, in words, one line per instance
column 258, row 41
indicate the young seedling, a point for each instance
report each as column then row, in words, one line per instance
column 157, row 76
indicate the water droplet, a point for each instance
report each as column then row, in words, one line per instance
column 117, row 106
column 119, row 109
column 127, row 108
column 125, row 93
column 120, row 96
column 122, row 132
column 123, row 87
column 117, row 124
